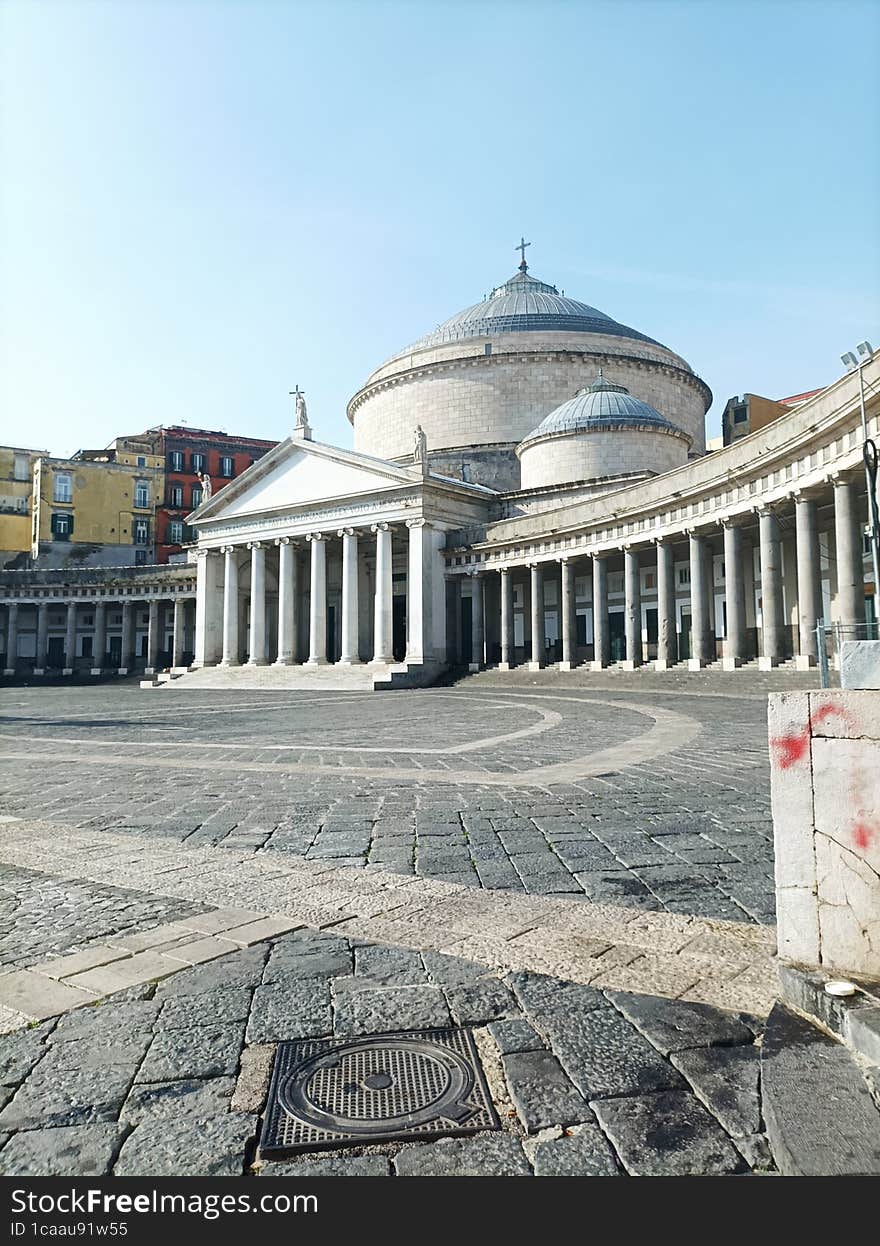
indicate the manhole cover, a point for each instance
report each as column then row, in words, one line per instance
column 339, row 1092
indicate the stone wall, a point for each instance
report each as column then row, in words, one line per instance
column 825, row 782
column 588, row 455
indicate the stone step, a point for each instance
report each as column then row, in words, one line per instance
column 821, row 1118
column 331, row 677
column 854, row 1019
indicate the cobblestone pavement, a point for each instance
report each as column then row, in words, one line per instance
column 582, row 874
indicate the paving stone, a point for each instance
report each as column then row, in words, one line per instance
column 449, row 970
column 477, row 1003
column 328, row 1166
column 604, row 1055
column 211, row 1147
column 68, row 1097
column 218, row 920
column 541, row 995
column 308, row 958
column 88, row 958
column 541, row 1092
column 173, row 1099
column 105, row 1018
column 391, row 965
column 105, row 979
column 19, row 1052
column 147, row 940
column 39, row 997
column 115, row 1047
column 486, row 1155
column 198, row 951
column 673, row 1025
column 202, row 1051
column 668, row 1134
column 258, row 931
column 211, row 1008
column 582, row 1151
column 253, row 1078
column 515, row 1035
column 244, row 968
column 289, row 1007
column 84, row 1150
column 391, row 1008
column 726, row 1079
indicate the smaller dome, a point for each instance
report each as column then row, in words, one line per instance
column 602, row 405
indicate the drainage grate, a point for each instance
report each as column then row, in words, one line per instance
column 342, row 1092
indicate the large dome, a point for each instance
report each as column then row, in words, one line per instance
column 481, row 381
column 525, row 305
column 602, row 404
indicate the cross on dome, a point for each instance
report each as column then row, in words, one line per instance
column 523, row 266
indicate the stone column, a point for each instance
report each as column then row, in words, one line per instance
column 478, row 622
column 667, row 633
column 601, row 630
column 702, row 647
column 536, row 596
column 568, row 615
column 632, row 588
column 809, row 584
column 257, row 646
column 350, row 618
column 42, row 638
column 11, row 637
column 506, row 620
column 208, row 639
column 153, row 639
column 99, row 638
column 773, row 641
column 420, row 592
column 382, row 607
column 179, row 642
column 70, row 640
column 126, row 653
column 318, row 600
column 850, row 569
column 230, row 607
column 287, row 601
column 734, row 599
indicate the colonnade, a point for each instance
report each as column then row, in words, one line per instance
column 761, row 528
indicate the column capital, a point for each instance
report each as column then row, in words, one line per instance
column 282, row 540
column 475, row 572
column 316, row 536
column 378, row 527
column 418, row 523
column 346, row 532
column 228, row 549
column 255, row 545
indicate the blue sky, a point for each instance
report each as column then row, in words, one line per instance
column 206, row 202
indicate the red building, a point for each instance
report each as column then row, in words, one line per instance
column 188, row 452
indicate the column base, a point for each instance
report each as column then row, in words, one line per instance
column 313, row 662
column 630, row 664
column 356, row 661
column 283, row 662
column 534, row 666
column 149, row 670
column 122, row 670
column 180, row 670
column 97, row 670
column 227, row 663
column 473, row 667
column 9, row 671
column 662, row 664
column 565, row 665
column 67, row 670
column 598, row 665
column 256, row 662
column 805, row 662
column 767, row 663
column 504, row 666
column 697, row 664
column 389, row 661
column 731, row 664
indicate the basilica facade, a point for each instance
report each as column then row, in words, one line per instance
column 529, row 484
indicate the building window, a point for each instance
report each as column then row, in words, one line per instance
column 142, row 460
column 196, row 496
column 684, row 575
column 175, row 496
column 140, row 557
column 175, row 461
column 62, row 525
column 197, row 462
column 175, row 532
column 63, row 488
column 740, row 414
column 141, row 531
column 142, row 493
column 21, row 467
column 227, row 466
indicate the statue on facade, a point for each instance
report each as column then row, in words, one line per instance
column 205, row 481
column 420, row 448
column 301, row 428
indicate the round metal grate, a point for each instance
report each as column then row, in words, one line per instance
column 371, row 1085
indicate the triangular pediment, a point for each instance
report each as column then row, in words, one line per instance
column 303, row 473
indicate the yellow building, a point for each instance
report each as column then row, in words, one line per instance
column 16, row 472
column 98, row 508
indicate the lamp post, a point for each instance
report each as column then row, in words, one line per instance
column 853, row 364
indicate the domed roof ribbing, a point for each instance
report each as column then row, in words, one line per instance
column 525, row 305
column 603, row 404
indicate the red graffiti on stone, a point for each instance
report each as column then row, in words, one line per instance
column 792, row 748
column 862, row 836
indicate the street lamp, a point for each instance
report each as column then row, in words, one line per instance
column 853, row 364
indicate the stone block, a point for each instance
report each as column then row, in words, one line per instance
column 69, row 1151
column 39, row 997
column 860, row 664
